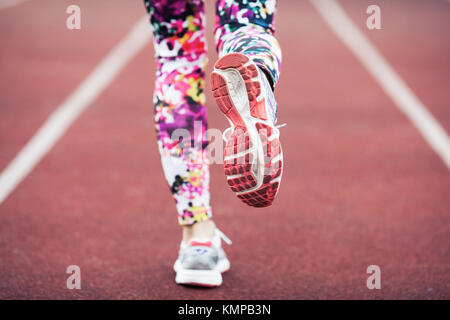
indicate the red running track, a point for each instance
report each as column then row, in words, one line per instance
column 361, row 186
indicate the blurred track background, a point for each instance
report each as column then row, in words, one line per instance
column 361, row 185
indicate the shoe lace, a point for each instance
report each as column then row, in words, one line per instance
column 223, row 236
column 277, row 129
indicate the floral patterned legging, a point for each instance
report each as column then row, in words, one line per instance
column 244, row 26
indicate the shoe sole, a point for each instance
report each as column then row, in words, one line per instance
column 253, row 158
column 201, row 278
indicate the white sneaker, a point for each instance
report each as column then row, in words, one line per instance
column 202, row 262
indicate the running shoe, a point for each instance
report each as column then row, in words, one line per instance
column 201, row 263
column 253, row 158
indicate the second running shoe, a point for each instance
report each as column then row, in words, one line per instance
column 253, row 158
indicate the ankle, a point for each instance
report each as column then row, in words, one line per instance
column 200, row 230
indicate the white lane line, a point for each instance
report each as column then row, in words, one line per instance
column 385, row 75
column 5, row 4
column 66, row 113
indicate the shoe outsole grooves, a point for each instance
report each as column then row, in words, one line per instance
column 239, row 152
